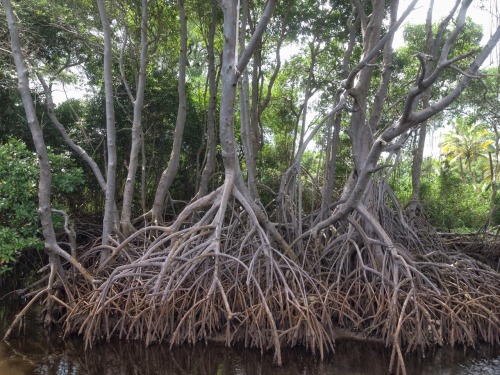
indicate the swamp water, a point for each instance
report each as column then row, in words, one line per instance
column 38, row 351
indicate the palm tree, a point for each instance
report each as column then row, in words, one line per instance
column 466, row 145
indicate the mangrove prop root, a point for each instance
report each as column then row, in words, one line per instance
column 217, row 275
column 220, row 275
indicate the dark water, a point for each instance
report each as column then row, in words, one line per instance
column 38, row 351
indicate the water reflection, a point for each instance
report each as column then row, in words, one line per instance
column 41, row 352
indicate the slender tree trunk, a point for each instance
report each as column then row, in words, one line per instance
column 494, row 159
column 44, row 183
column 309, row 90
column 229, row 76
column 169, row 174
column 472, row 176
column 416, row 169
column 262, row 104
column 418, row 157
column 247, row 130
column 255, row 108
column 128, row 194
column 494, row 185
column 209, row 168
column 231, row 68
column 143, row 175
column 110, row 214
column 332, row 145
column 334, row 130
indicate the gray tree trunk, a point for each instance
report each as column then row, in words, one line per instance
column 169, row 174
column 128, row 194
column 209, row 167
column 229, row 78
column 332, row 145
column 110, row 214
column 44, row 183
column 416, row 169
column 334, row 131
column 247, row 126
column 231, row 68
column 76, row 148
column 360, row 132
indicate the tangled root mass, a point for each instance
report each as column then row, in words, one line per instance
column 226, row 280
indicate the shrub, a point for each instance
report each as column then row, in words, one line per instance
column 19, row 225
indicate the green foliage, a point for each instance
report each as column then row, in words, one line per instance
column 19, row 228
column 448, row 202
column 451, row 204
column 453, row 191
column 466, row 149
column 407, row 67
column 19, row 224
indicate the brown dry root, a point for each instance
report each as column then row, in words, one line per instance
column 483, row 246
column 215, row 274
column 204, row 280
column 411, row 296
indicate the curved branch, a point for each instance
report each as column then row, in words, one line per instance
column 77, row 149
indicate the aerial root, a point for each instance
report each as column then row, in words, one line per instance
column 410, row 295
column 219, row 278
column 216, row 274
column 51, row 291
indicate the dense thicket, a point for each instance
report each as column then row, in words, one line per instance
column 256, row 170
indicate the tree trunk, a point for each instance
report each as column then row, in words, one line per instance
column 494, row 159
column 44, row 183
column 416, row 169
column 60, row 128
column 229, row 75
column 247, row 126
column 332, row 144
column 169, row 174
column 418, row 157
column 110, row 214
column 360, row 131
column 333, row 137
column 209, row 168
column 128, row 194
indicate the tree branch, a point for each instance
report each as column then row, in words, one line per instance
column 348, row 82
column 254, row 40
column 77, row 149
